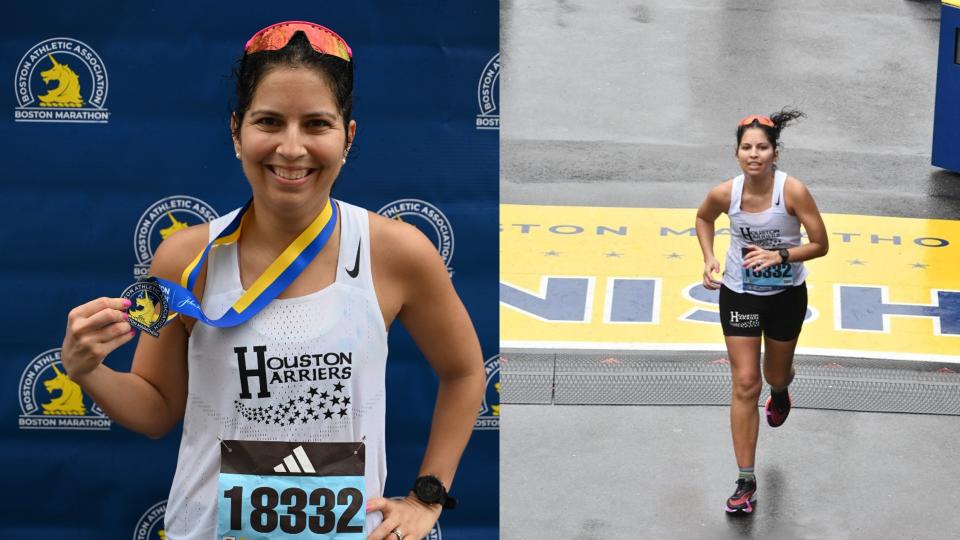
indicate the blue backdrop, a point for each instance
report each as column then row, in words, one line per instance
column 91, row 178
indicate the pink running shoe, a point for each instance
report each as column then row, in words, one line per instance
column 743, row 499
column 775, row 415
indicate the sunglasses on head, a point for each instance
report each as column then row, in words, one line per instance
column 276, row 36
column 758, row 118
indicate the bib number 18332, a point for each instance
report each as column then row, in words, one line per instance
column 319, row 499
column 778, row 276
column 274, row 510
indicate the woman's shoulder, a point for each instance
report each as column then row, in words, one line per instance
column 791, row 183
column 397, row 237
column 401, row 248
column 720, row 193
column 796, row 193
column 795, row 189
column 179, row 250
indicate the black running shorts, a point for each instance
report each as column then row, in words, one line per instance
column 778, row 316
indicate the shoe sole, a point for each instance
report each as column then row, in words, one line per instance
column 766, row 409
column 747, row 507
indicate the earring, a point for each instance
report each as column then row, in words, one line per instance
column 238, row 155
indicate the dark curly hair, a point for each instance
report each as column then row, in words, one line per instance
column 780, row 121
column 251, row 69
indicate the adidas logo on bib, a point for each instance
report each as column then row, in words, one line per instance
column 297, row 463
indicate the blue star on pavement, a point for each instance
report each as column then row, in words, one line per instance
column 552, row 253
column 857, row 262
column 674, row 255
column 919, row 265
column 613, row 254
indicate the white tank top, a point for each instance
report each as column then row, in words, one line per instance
column 299, row 334
column 773, row 228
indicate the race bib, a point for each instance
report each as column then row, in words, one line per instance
column 778, row 276
column 284, row 490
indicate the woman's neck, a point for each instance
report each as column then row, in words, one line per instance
column 760, row 183
column 277, row 226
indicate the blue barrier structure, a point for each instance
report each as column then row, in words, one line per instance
column 946, row 116
column 94, row 178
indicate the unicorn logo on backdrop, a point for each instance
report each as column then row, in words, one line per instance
column 67, row 92
column 174, row 226
column 162, row 219
column 150, row 524
column 488, row 94
column 489, row 417
column 50, row 400
column 70, row 400
column 61, row 80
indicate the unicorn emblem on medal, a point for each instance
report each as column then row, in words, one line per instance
column 148, row 306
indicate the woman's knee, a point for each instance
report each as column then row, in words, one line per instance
column 746, row 387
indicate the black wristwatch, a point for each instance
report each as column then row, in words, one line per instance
column 429, row 489
column 784, row 255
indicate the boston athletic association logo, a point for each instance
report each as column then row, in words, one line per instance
column 160, row 220
column 150, row 524
column 50, row 400
column 61, row 80
column 489, row 417
column 488, row 94
column 429, row 219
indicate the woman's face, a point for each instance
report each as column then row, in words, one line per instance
column 292, row 140
column 755, row 153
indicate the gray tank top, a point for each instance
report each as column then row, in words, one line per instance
column 772, row 229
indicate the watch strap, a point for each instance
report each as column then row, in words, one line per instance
column 444, row 498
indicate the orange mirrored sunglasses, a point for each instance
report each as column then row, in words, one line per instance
column 276, row 36
column 759, row 118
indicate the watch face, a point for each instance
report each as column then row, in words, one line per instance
column 428, row 489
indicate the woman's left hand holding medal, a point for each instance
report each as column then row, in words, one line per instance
column 410, row 517
column 94, row 330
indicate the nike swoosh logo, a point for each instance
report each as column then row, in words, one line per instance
column 356, row 264
column 778, row 200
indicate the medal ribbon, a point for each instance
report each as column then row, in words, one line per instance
column 277, row 277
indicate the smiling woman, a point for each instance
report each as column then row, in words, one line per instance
column 293, row 140
column 297, row 275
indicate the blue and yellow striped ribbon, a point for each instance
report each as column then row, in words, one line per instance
column 277, row 277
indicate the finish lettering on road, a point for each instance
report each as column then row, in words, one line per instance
column 574, row 277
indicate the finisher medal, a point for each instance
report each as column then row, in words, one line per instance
column 148, row 306
column 152, row 297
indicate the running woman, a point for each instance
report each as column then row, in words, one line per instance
column 763, row 294
column 291, row 132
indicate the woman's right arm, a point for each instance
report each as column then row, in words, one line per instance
column 151, row 398
column 718, row 200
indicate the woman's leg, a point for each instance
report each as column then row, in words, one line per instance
column 780, row 334
column 744, row 416
column 778, row 362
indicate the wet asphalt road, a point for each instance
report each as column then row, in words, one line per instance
column 609, row 103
